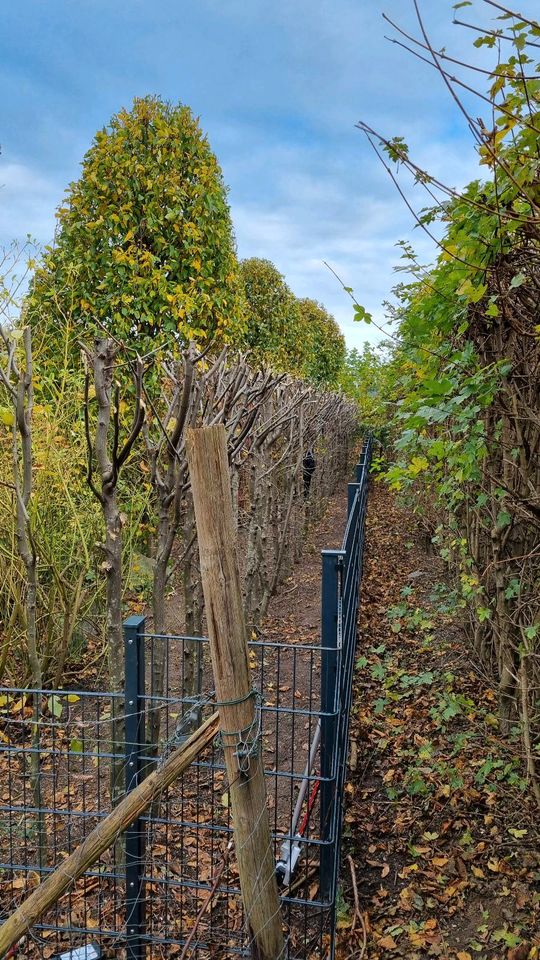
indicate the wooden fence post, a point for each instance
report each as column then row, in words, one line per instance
column 239, row 715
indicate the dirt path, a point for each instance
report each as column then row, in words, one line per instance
column 291, row 676
column 295, row 612
column 441, row 829
column 442, row 834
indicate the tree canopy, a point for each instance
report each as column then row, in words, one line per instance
column 324, row 343
column 144, row 247
column 297, row 336
column 369, row 377
column 273, row 316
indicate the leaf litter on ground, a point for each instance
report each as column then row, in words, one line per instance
column 439, row 821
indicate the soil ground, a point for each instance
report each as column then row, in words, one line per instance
column 440, row 855
column 441, row 833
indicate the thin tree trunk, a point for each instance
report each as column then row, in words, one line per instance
column 102, row 360
column 22, row 428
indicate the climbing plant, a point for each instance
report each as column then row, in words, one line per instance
column 468, row 347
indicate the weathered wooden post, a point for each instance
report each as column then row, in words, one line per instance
column 238, row 709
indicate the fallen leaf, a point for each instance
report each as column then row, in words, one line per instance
column 519, row 953
column 387, row 943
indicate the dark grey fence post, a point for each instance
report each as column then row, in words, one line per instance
column 332, row 561
column 352, row 490
column 134, row 629
column 361, row 465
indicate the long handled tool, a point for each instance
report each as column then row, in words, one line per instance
column 291, row 848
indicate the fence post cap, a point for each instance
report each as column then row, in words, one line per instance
column 134, row 622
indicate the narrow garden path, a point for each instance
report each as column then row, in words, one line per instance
column 442, row 833
column 441, row 836
column 295, row 611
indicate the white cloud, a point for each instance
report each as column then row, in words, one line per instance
column 28, row 199
column 351, row 218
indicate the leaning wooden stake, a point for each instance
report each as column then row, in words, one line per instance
column 104, row 835
column 239, row 716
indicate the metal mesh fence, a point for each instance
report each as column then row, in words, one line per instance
column 46, row 813
column 55, row 761
column 179, row 894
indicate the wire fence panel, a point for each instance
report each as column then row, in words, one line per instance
column 55, row 788
column 169, row 886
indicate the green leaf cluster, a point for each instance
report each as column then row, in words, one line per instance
column 369, row 377
column 274, row 323
column 144, row 247
column 297, row 336
column 324, row 344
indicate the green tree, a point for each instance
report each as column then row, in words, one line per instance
column 274, row 320
column 369, row 377
column 144, row 247
column 324, row 344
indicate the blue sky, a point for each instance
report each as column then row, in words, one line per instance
column 278, row 88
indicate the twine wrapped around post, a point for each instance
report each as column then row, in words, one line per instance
column 238, row 710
